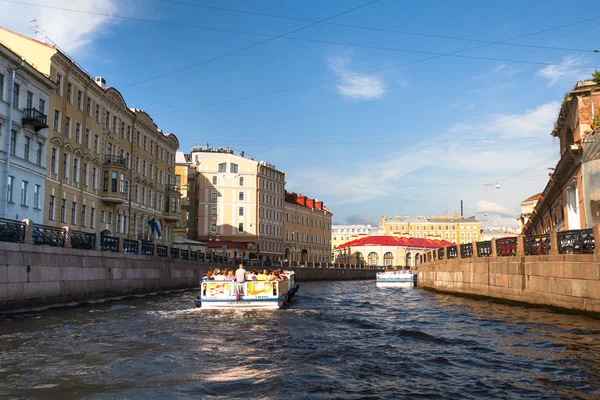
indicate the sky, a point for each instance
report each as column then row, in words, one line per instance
column 377, row 108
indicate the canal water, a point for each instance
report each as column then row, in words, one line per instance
column 346, row 340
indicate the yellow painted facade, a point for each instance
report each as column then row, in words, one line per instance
column 109, row 168
column 454, row 229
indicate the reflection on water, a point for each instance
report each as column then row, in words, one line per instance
column 346, row 340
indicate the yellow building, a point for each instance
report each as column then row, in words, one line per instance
column 109, row 167
column 236, row 204
column 453, row 229
column 182, row 168
column 307, row 228
column 341, row 234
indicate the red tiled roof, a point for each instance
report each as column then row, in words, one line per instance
column 301, row 200
column 396, row 241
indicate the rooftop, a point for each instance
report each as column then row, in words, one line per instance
column 394, row 241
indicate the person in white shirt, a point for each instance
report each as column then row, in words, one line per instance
column 240, row 274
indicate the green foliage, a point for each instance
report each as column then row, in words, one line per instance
column 596, row 77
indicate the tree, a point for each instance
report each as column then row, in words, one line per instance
column 596, row 77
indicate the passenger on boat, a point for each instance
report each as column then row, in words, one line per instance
column 207, row 276
column 240, row 274
column 262, row 276
column 217, row 275
column 230, row 275
column 251, row 276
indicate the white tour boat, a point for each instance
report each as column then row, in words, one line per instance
column 249, row 294
column 403, row 278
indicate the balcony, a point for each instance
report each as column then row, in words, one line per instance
column 115, row 161
column 172, row 189
column 35, row 118
column 171, row 215
column 115, row 197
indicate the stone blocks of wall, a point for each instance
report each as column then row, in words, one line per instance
column 565, row 281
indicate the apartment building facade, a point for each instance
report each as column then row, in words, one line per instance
column 23, row 145
column 270, row 197
column 109, row 167
column 455, row 229
column 307, row 229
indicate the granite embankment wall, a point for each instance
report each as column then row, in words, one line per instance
column 570, row 281
column 33, row 276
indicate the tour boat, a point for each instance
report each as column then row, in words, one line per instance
column 404, row 278
column 249, row 294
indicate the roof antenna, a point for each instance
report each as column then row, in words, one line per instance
column 35, row 29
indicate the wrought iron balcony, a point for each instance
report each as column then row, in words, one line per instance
column 115, row 161
column 172, row 189
column 35, row 118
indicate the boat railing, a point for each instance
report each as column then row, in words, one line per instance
column 249, row 289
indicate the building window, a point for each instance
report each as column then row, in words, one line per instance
column 213, row 210
column 113, row 185
column 53, row 161
column 214, row 180
column 36, row 196
column 27, row 148
column 88, row 106
column 11, row 180
column 24, row 190
column 241, row 227
column 38, row 155
column 114, row 124
column 78, row 132
column 96, row 143
column 94, row 178
column 75, row 170
column 241, row 196
column 223, row 167
column 213, row 227
column 85, row 174
column 56, row 121
column 213, row 195
column 97, row 113
column 29, row 100
column 69, row 92
column 16, row 94
column 241, row 211
column 173, row 204
column 68, row 127
column 1, row 87
column 92, row 217
column 13, row 142
column 51, row 208
column 63, row 210
column 59, row 85
column 107, row 119
column 241, row 181
column 41, row 103
column 233, row 168
column 79, row 99
column 145, row 143
column 105, row 186
column 74, row 213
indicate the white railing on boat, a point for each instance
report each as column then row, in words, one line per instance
column 248, row 290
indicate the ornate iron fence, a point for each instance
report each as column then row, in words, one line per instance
column 484, row 249
column 506, row 247
column 147, row 248
column 576, row 241
column 12, row 231
column 83, row 240
column 174, row 252
column 130, row 246
column 201, row 256
column 536, row 245
column 441, row 253
column 466, row 250
column 451, row 252
column 162, row 251
column 48, row 235
column 194, row 255
column 185, row 254
column 109, row 243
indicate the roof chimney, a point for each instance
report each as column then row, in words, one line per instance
column 100, row 81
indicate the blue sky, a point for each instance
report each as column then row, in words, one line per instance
column 409, row 140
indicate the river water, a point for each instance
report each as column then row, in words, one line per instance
column 346, row 340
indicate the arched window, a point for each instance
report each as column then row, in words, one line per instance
column 360, row 259
column 388, row 259
column 409, row 259
column 373, row 258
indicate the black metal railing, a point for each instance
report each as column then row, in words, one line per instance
column 466, row 250
column 109, row 243
column 484, row 249
column 506, row 247
column 12, row 230
column 83, row 240
column 194, row 255
column 576, row 241
column 116, row 161
column 185, row 254
column 172, row 188
column 536, row 245
column 147, row 248
column 35, row 117
column 130, row 246
column 162, row 251
column 451, row 252
column 48, row 235
column 441, row 253
column 174, row 252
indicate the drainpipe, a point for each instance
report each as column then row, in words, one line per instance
column 8, row 134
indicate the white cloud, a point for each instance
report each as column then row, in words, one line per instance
column 361, row 87
column 558, row 73
column 484, row 206
column 71, row 31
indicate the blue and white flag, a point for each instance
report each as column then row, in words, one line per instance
column 154, row 226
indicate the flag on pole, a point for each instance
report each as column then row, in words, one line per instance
column 154, row 226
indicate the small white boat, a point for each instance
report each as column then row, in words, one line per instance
column 404, row 278
column 249, row 294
